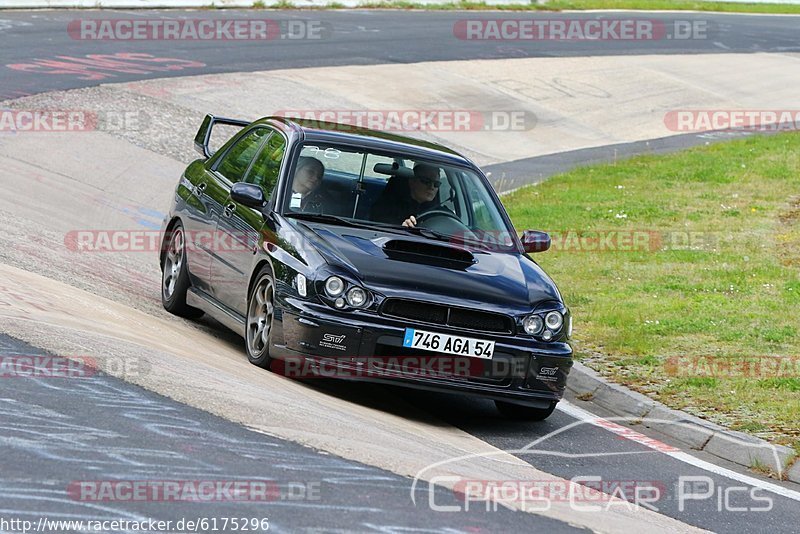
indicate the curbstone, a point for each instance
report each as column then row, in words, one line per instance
column 612, row 397
column 699, row 434
column 690, row 430
column 583, row 381
column 794, row 472
column 747, row 450
column 622, row 402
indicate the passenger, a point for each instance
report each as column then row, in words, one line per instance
column 402, row 200
column 307, row 195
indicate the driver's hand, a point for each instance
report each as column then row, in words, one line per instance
column 410, row 222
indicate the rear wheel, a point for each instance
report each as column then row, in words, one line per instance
column 260, row 316
column 524, row 413
column 175, row 276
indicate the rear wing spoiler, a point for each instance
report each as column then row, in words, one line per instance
column 203, row 136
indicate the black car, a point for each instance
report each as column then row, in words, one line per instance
column 345, row 252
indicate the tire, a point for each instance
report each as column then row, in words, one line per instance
column 519, row 412
column 260, row 318
column 175, row 276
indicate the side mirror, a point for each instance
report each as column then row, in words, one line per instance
column 535, row 241
column 249, row 195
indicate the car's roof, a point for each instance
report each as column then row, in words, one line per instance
column 335, row 133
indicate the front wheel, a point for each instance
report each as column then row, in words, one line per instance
column 524, row 413
column 175, row 276
column 260, row 316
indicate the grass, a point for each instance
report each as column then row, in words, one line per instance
column 559, row 5
column 674, row 5
column 716, row 276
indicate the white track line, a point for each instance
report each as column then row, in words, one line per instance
column 583, row 415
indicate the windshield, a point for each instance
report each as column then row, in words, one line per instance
column 380, row 189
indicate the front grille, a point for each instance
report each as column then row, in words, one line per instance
column 448, row 316
column 408, row 309
column 478, row 320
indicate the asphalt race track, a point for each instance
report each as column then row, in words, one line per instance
column 334, row 456
column 345, row 38
column 130, row 433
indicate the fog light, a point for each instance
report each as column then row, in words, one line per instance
column 554, row 320
column 356, row 297
column 532, row 324
column 547, row 336
column 339, row 303
column 334, row 286
column 301, row 285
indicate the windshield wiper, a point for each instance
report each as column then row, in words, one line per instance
column 439, row 236
column 426, row 232
column 320, row 217
column 433, row 234
column 335, row 219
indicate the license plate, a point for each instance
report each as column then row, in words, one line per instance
column 435, row 342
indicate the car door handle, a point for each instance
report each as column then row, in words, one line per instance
column 229, row 209
column 200, row 188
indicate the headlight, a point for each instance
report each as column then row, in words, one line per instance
column 554, row 320
column 334, row 286
column 532, row 324
column 356, row 297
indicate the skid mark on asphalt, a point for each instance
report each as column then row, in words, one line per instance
column 57, row 432
column 94, row 67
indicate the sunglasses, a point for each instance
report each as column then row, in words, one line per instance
column 430, row 182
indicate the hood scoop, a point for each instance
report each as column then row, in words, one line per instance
column 428, row 253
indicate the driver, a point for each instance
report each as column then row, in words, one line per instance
column 422, row 191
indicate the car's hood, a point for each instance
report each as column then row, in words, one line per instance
column 397, row 264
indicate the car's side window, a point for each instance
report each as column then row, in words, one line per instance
column 267, row 166
column 235, row 162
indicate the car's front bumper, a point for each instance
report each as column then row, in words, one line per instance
column 316, row 340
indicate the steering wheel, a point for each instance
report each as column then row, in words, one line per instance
column 442, row 220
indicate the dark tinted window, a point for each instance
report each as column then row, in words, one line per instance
column 234, row 164
column 267, row 166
